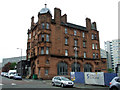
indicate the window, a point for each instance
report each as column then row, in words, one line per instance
column 96, row 46
column 42, row 38
column 75, row 32
column 38, row 51
column 43, row 26
column 96, row 55
column 83, row 34
column 92, row 36
column 95, row 36
column 75, row 67
column 66, row 31
column 46, row 71
column 87, row 68
column 47, row 50
column 28, row 55
column 47, row 26
column 93, row 55
column 47, row 61
column 33, row 33
column 84, row 54
column 84, row 44
column 37, row 61
column 66, row 52
column 28, row 45
column 62, row 68
column 42, row 50
column 47, row 38
column 29, row 36
column 76, row 53
column 66, row 41
column 93, row 46
column 75, row 42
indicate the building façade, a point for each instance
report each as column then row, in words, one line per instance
column 56, row 47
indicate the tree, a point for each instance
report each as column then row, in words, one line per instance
column 110, row 70
column 8, row 66
column 12, row 66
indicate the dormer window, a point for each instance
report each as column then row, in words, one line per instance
column 43, row 26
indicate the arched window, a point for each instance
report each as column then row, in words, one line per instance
column 75, row 67
column 87, row 68
column 62, row 68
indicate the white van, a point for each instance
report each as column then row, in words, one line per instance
column 11, row 73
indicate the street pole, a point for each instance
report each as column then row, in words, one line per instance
column 75, row 59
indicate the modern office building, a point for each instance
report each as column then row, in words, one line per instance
column 113, row 49
column 57, row 47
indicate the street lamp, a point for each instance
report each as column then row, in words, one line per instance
column 75, row 48
column 20, row 62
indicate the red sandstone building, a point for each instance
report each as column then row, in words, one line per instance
column 56, row 47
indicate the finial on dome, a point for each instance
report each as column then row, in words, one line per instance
column 45, row 5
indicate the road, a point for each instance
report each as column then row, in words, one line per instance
column 30, row 83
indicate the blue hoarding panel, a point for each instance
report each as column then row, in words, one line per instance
column 108, row 77
column 79, row 77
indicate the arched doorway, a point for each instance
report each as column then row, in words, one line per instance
column 75, row 67
column 62, row 68
column 87, row 68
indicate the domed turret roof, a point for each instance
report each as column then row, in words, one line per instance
column 45, row 10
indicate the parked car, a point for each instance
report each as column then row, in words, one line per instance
column 62, row 81
column 6, row 74
column 2, row 73
column 11, row 73
column 115, row 84
column 17, row 77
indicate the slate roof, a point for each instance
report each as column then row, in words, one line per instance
column 74, row 26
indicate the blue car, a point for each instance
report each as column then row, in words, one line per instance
column 17, row 77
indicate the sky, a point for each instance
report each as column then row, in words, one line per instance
column 15, row 20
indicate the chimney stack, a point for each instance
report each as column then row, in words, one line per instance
column 32, row 22
column 88, row 23
column 57, row 15
column 64, row 18
column 94, row 24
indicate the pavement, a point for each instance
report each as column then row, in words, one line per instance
column 79, row 85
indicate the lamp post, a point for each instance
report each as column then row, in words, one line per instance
column 75, row 48
column 20, row 62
